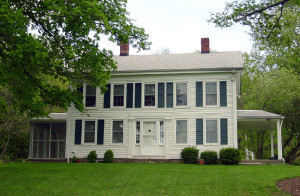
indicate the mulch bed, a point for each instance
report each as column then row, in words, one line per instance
column 291, row 186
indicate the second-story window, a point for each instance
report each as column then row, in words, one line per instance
column 211, row 93
column 149, row 95
column 90, row 96
column 118, row 95
column 181, row 94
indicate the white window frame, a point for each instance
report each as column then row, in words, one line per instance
column 175, row 94
column 83, row 132
column 143, row 95
column 187, row 131
column 204, row 94
column 111, row 133
column 84, row 98
column 218, row 132
column 112, row 95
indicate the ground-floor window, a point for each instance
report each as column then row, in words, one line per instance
column 117, row 132
column 89, row 131
column 181, row 131
column 48, row 140
column 211, row 131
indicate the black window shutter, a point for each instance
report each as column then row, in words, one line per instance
column 161, row 95
column 129, row 98
column 224, row 134
column 78, row 127
column 199, row 94
column 223, row 94
column 138, row 95
column 100, row 133
column 199, row 131
column 170, row 94
column 107, row 97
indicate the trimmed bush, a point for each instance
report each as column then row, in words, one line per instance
column 230, row 156
column 189, row 155
column 108, row 156
column 74, row 159
column 92, row 157
column 209, row 157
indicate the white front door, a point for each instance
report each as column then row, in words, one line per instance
column 149, row 140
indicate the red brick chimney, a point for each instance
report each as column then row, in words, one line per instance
column 204, row 45
column 124, row 49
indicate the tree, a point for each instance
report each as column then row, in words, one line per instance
column 274, row 28
column 59, row 39
column 276, row 91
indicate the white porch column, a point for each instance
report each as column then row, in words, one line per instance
column 279, row 142
column 272, row 144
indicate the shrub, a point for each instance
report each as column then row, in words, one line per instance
column 108, row 156
column 209, row 157
column 189, row 155
column 230, row 156
column 296, row 163
column 74, row 159
column 92, row 157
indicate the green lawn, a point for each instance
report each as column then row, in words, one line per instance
column 141, row 179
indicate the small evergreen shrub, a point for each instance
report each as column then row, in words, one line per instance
column 74, row 159
column 230, row 156
column 189, row 155
column 92, row 157
column 209, row 157
column 108, row 156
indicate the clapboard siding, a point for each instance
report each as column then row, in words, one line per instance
column 169, row 115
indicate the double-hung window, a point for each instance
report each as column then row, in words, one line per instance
column 118, row 95
column 89, row 131
column 181, row 94
column 181, row 131
column 149, row 95
column 90, row 96
column 117, row 132
column 211, row 131
column 211, row 93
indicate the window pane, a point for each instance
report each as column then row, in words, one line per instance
column 181, row 131
column 58, row 131
column 117, row 136
column 181, row 99
column 181, row 88
column 150, row 100
column 149, row 89
column 89, row 131
column 211, row 93
column 54, row 149
column 211, row 131
column 90, row 96
column 119, row 90
column 41, row 131
column 181, row 94
column 62, row 147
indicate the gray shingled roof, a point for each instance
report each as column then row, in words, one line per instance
column 194, row 61
column 256, row 114
column 53, row 116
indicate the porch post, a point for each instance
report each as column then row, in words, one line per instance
column 272, row 144
column 279, row 143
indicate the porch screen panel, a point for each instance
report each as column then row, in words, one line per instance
column 107, row 97
column 161, row 95
column 170, row 94
column 223, row 94
column 199, row 131
column 138, row 95
column 224, row 132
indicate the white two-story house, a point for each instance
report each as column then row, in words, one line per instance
column 155, row 106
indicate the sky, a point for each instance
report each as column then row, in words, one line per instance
column 179, row 26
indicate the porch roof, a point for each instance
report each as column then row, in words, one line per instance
column 257, row 120
column 53, row 117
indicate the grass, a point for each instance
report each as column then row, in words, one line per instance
column 141, row 179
